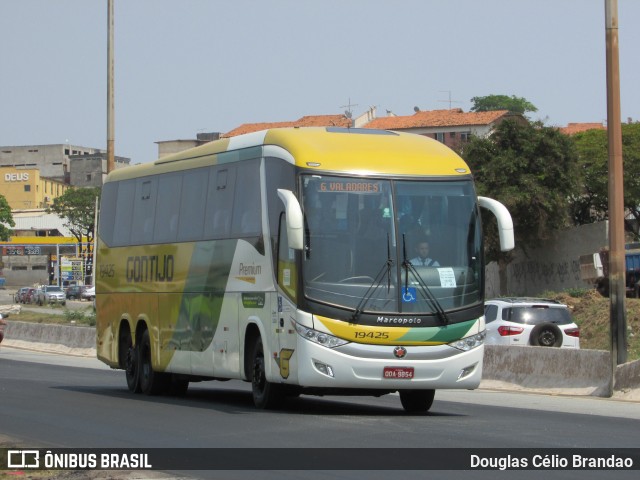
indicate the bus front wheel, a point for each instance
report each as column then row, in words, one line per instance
column 265, row 394
column 417, row 401
column 151, row 382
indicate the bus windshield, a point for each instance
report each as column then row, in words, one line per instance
column 393, row 246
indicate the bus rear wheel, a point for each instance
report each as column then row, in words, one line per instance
column 265, row 394
column 129, row 360
column 417, row 401
column 151, row 382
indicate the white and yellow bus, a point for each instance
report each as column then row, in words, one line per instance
column 287, row 258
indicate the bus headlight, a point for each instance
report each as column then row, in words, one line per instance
column 320, row 338
column 467, row 343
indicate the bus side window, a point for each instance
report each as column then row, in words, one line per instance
column 287, row 274
column 167, row 208
column 246, row 211
column 192, row 204
column 124, row 212
column 217, row 220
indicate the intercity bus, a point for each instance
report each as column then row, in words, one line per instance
column 284, row 258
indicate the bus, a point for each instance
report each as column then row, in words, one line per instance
column 285, row 258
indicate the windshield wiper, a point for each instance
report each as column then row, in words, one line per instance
column 424, row 289
column 385, row 270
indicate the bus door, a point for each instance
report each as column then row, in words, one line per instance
column 285, row 308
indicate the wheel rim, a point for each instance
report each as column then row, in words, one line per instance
column 547, row 338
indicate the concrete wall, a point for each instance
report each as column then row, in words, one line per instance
column 586, row 372
column 553, row 265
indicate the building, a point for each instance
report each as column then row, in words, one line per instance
column 452, row 127
column 30, row 257
column 573, row 128
column 169, row 147
column 53, row 161
column 26, row 188
column 306, row 121
column 90, row 169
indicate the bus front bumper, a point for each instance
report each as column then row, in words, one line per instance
column 422, row 368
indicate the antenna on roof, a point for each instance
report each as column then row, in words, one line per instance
column 348, row 113
column 448, row 101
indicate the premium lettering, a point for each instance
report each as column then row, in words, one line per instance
column 249, row 269
column 152, row 268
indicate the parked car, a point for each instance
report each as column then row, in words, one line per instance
column 19, row 294
column 51, row 294
column 89, row 293
column 530, row 321
column 75, row 292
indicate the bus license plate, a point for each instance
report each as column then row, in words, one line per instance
column 398, row 372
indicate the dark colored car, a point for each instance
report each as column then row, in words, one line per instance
column 74, row 292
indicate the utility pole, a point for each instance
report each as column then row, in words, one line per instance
column 110, row 100
column 617, row 275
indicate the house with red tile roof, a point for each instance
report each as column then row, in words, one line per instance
column 451, row 127
column 306, row 121
column 573, row 128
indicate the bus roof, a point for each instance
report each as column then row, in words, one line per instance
column 329, row 149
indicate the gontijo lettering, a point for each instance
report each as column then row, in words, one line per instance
column 152, row 268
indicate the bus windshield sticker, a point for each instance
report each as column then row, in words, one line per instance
column 253, row 300
column 447, row 277
column 409, row 294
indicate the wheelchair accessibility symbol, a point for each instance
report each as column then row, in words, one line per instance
column 408, row 295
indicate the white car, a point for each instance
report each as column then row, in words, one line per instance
column 530, row 321
column 89, row 293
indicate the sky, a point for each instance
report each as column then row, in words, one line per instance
column 184, row 67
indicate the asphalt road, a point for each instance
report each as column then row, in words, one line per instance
column 57, row 401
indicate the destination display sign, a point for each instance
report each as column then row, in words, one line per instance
column 349, row 185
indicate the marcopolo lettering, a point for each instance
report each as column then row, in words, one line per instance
column 151, row 268
column 400, row 320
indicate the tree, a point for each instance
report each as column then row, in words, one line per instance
column 502, row 102
column 592, row 202
column 77, row 207
column 532, row 170
column 6, row 219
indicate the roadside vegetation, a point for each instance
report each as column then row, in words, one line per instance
column 590, row 311
column 65, row 317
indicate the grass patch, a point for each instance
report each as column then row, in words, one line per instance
column 65, row 317
column 591, row 313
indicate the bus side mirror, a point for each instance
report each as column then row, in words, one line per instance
column 505, row 223
column 295, row 222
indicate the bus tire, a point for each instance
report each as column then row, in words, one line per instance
column 266, row 395
column 129, row 360
column 151, row 382
column 417, row 401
